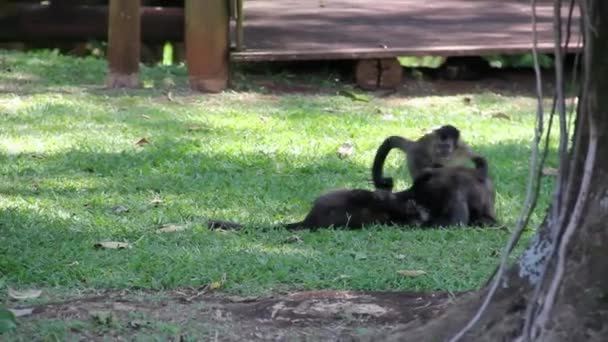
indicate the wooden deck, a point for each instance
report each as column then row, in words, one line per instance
column 356, row 29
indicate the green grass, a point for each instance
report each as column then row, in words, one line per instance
column 68, row 156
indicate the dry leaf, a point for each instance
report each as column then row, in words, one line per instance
column 264, row 118
column 142, row 141
column 549, row 171
column 400, row 256
column 119, row 209
column 145, row 116
column 25, row 294
column 345, row 150
column 112, row 245
column 388, row 117
column 500, row 115
column 293, row 239
column 21, row 312
column 170, row 228
column 194, row 128
column 156, row 201
column 411, row 273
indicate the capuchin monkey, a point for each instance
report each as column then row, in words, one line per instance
column 456, row 195
column 353, row 209
column 435, row 149
column 446, row 196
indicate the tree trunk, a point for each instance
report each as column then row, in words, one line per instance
column 207, row 41
column 123, row 43
column 580, row 309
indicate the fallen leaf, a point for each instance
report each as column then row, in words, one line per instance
column 500, row 115
column 145, row 116
column 156, row 201
column 345, row 150
column 112, row 245
column 400, row 257
column 194, row 128
column 549, row 171
column 170, row 228
column 25, row 294
column 411, row 273
column 142, row 141
column 264, row 118
column 388, row 117
column 217, row 284
column 354, row 96
column 293, row 239
column 22, row 312
column 136, row 324
column 119, row 209
column 360, row 256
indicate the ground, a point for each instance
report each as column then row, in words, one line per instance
column 80, row 165
column 189, row 315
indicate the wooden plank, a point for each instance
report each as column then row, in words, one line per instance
column 378, row 53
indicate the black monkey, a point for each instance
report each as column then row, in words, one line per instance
column 434, row 149
column 353, row 209
column 456, row 195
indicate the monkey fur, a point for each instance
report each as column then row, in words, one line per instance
column 456, row 195
column 435, row 149
column 353, row 209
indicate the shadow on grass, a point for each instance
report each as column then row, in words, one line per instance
column 45, row 71
column 249, row 185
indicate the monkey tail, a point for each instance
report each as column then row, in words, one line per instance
column 387, row 145
column 481, row 167
column 295, row 226
column 219, row 224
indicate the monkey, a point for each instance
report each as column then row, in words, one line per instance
column 353, row 209
column 434, row 149
column 445, row 196
column 456, row 195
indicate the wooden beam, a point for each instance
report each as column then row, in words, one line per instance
column 207, row 41
column 124, row 44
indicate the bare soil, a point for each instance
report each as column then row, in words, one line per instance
column 191, row 315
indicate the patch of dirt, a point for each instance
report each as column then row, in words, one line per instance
column 188, row 315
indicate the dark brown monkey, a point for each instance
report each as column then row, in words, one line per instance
column 353, row 209
column 456, row 195
column 446, row 196
column 435, row 149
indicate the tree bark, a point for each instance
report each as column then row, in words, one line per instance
column 580, row 309
column 124, row 44
column 207, row 41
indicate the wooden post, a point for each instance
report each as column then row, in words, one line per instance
column 207, row 42
column 124, row 43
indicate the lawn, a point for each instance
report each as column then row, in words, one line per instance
column 73, row 174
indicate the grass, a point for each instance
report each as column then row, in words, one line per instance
column 68, row 158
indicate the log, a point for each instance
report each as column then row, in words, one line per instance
column 367, row 73
column 391, row 73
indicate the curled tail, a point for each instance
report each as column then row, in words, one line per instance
column 481, row 167
column 387, row 145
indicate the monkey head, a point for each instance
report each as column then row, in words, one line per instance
column 447, row 139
